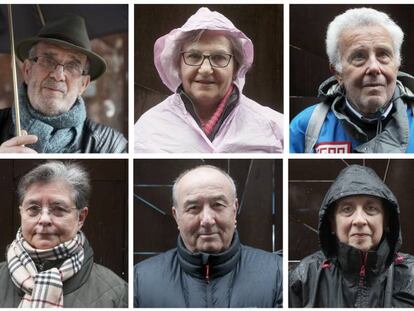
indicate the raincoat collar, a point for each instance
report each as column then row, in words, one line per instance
column 166, row 48
column 231, row 104
column 352, row 261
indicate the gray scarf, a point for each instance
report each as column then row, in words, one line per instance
column 56, row 134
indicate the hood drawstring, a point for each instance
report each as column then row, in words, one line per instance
column 379, row 126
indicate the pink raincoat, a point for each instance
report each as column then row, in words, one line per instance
column 168, row 127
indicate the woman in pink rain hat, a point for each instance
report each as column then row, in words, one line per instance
column 204, row 63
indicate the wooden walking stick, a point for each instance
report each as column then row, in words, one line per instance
column 13, row 65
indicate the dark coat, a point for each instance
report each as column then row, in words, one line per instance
column 239, row 277
column 94, row 286
column 96, row 138
column 342, row 276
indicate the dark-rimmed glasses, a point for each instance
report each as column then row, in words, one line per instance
column 73, row 69
column 196, row 58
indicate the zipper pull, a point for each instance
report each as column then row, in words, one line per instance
column 362, row 271
column 207, row 273
column 361, row 275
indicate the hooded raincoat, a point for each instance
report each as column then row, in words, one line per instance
column 170, row 126
column 342, row 276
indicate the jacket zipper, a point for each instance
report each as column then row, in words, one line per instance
column 360, row 295
column 207, row 273
column 209, row 299
column 362, row 271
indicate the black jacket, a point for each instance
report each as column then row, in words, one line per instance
column 96, row 138
column 94, row 286
column 239, row 277
column 342, row 276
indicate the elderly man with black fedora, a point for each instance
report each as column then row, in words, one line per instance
column 58, row 65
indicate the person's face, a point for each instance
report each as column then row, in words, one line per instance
column 205, row 211
column 49, row 215
column 359, row 221
column 369, row 67
column 53, row 92
column 207, row 85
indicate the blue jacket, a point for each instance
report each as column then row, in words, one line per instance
column 239, row 277
column 338, row 134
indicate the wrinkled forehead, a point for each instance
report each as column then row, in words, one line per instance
column 209, row 40
column 204, row 182
column 60, row 51
column 360, row 36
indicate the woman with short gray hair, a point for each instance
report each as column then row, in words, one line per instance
column 50, row 262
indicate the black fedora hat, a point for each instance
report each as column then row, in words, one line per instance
column 68, row 31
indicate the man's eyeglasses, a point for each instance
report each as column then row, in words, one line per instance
column 56, row 211
column 73, row 69
column 196, row 58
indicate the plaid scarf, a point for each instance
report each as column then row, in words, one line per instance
column 43, row 289
column 56, row 134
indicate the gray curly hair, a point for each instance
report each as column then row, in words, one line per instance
column 71, row 173
column 354, row 18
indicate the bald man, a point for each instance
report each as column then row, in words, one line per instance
column 209, row 267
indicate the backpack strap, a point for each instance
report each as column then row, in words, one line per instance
column 315, row 124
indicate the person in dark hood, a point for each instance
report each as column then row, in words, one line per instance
column 209, row 267
column 359, row 264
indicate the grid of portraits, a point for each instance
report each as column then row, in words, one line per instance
column 218, row 143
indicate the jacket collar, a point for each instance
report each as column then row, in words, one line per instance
column 230, row 105
column 219, row 264
column 82, row 276
column 352, row 260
